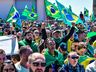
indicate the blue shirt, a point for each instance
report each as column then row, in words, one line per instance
column 69, row 68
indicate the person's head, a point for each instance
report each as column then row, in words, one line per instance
column 48, row 32
column 55, row 23
column 36, row 34
column 34, row 22
column 6, row 31
column 51, row 44
column 63, row 48
column 81, row 12
column 38, row 26
column 81, row 35
column 24, row 28
column 37, row 62
column 56, row 34
column 2, row 56
column 24, row 52
column 94, row 28
column 53, row 27
column 73, row 58
column 62, row 26
column 74, row 46
column 82, row 48
column 15, row 58
column 28, row 36
column 8, row 66
column 34, row 27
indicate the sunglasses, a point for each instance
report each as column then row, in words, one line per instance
column 43, row 64
column 10, row 69
column 36, row 32
column 74, row 57
column 79, row 48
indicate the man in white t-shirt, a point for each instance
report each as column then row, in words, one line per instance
column 24, row 52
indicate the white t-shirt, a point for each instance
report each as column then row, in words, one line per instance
column 21, row 68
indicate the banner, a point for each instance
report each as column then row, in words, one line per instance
column 9, row 44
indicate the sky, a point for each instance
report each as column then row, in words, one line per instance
column 78, row 5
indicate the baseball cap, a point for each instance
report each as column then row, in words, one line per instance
column 63, row 46
column 56, row 31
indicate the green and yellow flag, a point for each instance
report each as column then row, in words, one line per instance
column 67, row 14
column 26, row 12
column 30, row 15
column 33, row 16
column 85, row 60
column 52, row 10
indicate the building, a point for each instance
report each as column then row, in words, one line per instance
column 94, row 6
column 5, row 6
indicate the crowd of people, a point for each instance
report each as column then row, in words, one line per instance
column 50, row 46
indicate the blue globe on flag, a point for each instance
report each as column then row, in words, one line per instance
column 52, row 9
column 32, row 15
column 68, row 16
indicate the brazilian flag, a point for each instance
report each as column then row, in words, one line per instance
column 52, row 10
column 67, row 14
column 85, row 60
column 32, row 15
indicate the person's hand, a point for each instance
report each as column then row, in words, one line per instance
column 43, row 25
